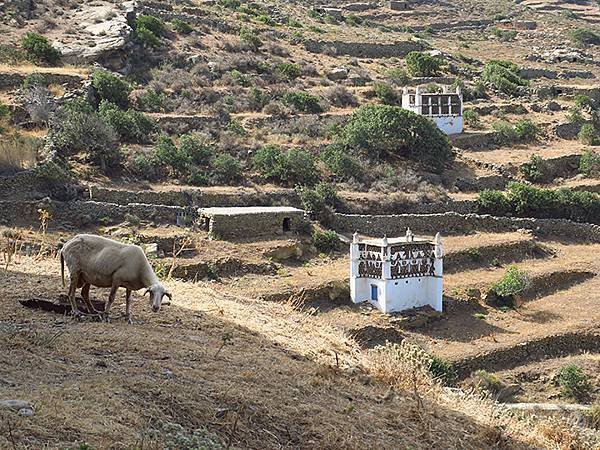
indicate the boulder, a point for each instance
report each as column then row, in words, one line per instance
column 338, row 73
column 21, row 406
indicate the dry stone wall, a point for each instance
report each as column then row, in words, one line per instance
column 454, row 223
column 364, row 49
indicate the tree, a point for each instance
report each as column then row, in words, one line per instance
column 423, row 65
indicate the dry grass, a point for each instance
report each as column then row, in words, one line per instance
column 18, row 152
column 274, row 383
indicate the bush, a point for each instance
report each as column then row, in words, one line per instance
column 231, row 4
column 503, row 76
column 303, row 101
column 150, row 23
column 383, row 129
column 386, row 94
column 288, row 71
column 151, row 100
column 344, row 166
column 442, row 370
column 132, row 126
column 505, row 133
column 76, row 128
column 53, row 173
column 340, row 96
column 182, row 27
column 249, row 37
column 38, row 49
column 145, row 167
column 513, row 282
column 493, row 202
column 423, row 65
column 535, row 170
column 111, row 88
column 292, row 167
column 398, row 76
column 471, row 119
column 528, row 201
column 325, row 241
column 226, row 169
column 488, row 382
column 147, row 38
column 34, row 79
column 588, row 135
column 573, row 382
column 583, row 36
column 526, row 130
column 589, row 164
column 194, row 150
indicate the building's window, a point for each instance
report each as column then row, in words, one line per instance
column 286, row 224
column 411, row 99
column 206, row 224
column 374, row 292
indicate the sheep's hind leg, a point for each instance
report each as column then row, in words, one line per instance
column 72, row 288
column 85, row 293
column 111, row 299
column 128, row 306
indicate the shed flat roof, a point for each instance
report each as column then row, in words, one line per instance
column 242, row 210
column 396, row 240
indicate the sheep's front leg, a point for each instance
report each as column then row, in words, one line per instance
column 72, row 288
column 111, row 299
column 128, row 306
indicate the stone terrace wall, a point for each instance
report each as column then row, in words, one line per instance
column 365, row 49
column 14, row 80
column 82, row 213
column 252, row 225
column 547, row 347
column 455, row 223
column 193, row 197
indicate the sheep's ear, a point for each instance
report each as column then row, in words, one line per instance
column 168, row 294
column 147, row 291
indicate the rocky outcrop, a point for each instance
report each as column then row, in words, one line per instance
column 103, row 31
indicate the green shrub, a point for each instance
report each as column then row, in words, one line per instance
column 327, row 192
column 526, row 130
column 589, row 164
column 151, row 100
column 303, row 102
column 353, row 20
column 343, row 165
column 111, row 88
column 182, row 27
column 12, row 55
column 38, row 49
column 573, row 382
column 442, row 370
column 145, row 167
column 493, row 202
column 583, row 36
column 386, row 93
column 288, row 71
column 53, row 173
column 574, row 115
column 471, row 119
column 503, row 76
column 291, row 167
column 488, row 382
column 586, row 102
column 194, row 150
column 534, row 170
column 241, row 78
column 231, row 4
column 528, row 201
column 381, row 129
column 421, row 64
column 151, row 23
column 249, row 37
column 34, row 79
column 226, row 169
column 4, row 111
column 77, row 128
column 132, row 126
column 505, row 132
column 167, row 153
column 588, row 135
column 325, row 241
column 504, row 35
column 513, row 282
column 398, row 76
column 147, row 38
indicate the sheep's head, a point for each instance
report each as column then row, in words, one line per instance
column 157, row 292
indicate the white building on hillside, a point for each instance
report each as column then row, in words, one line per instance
column 445, row 108
column 396, row 274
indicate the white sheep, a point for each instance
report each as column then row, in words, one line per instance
column 101, row 262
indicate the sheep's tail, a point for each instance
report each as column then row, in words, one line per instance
column 62, row 268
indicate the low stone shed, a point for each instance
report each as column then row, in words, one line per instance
column 251, row 221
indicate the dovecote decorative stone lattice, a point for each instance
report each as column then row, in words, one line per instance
column 397, row 274
column 444, row 108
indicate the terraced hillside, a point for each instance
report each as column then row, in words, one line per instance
column 124, row 118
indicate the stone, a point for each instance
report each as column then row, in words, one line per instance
column 151, row 250
column 397, row 5
column 553, row 106
column 359, row 6
column 22, row 407
column 338, row 73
